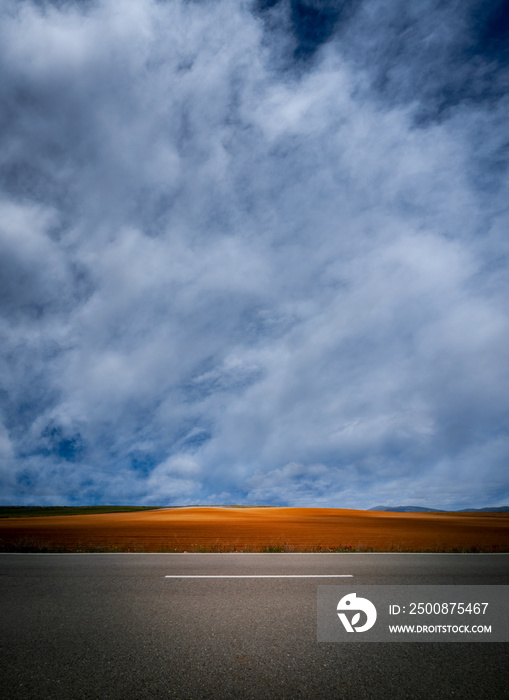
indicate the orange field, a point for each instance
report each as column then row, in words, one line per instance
column 255, row 529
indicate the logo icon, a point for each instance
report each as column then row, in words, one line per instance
column 356, row 605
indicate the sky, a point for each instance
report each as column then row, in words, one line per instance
column 254, row 252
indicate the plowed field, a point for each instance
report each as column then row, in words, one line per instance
column 258, row 529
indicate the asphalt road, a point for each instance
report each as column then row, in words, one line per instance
column 108, row 626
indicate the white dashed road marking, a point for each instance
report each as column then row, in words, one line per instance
column 265, row 576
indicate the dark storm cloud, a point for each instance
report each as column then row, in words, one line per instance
column 254, row 252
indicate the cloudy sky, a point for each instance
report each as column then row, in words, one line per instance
column 254, row 252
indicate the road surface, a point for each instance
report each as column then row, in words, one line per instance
column 108, row 626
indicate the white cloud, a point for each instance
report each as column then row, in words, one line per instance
column 226, row 276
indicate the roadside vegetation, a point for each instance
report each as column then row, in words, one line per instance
column 28, row 544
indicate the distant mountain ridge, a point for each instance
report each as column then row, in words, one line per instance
column 421, row 509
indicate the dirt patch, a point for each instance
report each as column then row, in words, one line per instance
column 259, row 529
